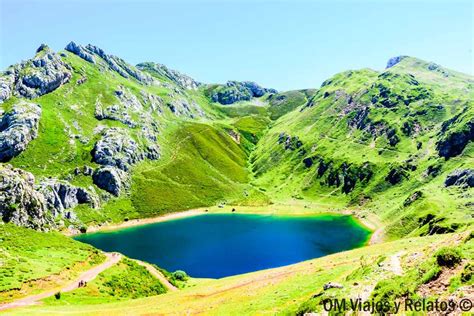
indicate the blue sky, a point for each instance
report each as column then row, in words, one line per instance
column 280, row 44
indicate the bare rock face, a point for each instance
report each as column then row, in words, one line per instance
column 60, row 195
column 182, row 80
column 127, row 106
column 394, row 60
column 43, row 74
column 453, row 143
column 111, row 179
column 80, row 51
column 117, row 148
column 20, row 203
column 6, row 86
column 91, row 53
column 18, row 128
column 460, row 177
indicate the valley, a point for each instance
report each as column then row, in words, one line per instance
column 90, row 143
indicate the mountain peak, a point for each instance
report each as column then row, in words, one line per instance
column 395, row 60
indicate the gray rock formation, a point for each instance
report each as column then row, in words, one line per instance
column 394, row 60
column 111, row 179
column 18, row 128
column 460, row 177
column 117, row 148
column 153, row 101
column 60, row 195
column 180, row 107
column 80, row 51
column 6, row 86
column 115, row 63
column 182, row 80
column 20, row 203
column 453, row 142
column 332, row 285
column 44, row 73
column 123, row 111
column 235, row 91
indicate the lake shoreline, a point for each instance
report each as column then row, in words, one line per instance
column 370, row 223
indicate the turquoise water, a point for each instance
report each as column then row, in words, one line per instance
column 219, row 245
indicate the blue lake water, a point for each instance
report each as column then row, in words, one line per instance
column 219, row 245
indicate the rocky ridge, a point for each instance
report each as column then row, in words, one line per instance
column 32, row 78
column 182, row 80
column 91, row 54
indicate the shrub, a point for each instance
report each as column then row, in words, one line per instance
column 180, row 275
column 431, row 274
column 57, row 295
column 448, row 257
column 83, row 229
column 467, row 273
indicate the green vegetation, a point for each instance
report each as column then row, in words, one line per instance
column 27, row 255
column 205, row 168
column 376, row 143
column 448, row 257
column 125, row 280
column 285, row 102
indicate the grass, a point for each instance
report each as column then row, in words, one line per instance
column 277, row 291
column 28, row 256
column 123, row 281
column 343, row 162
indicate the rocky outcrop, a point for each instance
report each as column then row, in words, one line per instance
column 7, row 82
column 180, row 107
column 117, row 148
column 80, row 51
column 123, row 111
column 18, row 128
column 394, row 60
column 454, row 141
column 111, row 179
column 344, row 175
column 154, row 102
column 60, row 195
column 347, row 175
column 460, row 177
column 391, row 90
column 412, row 198
column 182, row 80
column 234, row 91
column 359, row 118
column 113, row 62
column 396, row 175
column 20, row 203
column 43, row 74
column 289, row 142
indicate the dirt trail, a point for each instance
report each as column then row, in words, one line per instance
column 157, row 274
column 87, row 276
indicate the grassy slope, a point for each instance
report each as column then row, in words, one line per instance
column 201, row 166
column 276, row 291
column 325, row 133
column 27, row 255
column 123, row 281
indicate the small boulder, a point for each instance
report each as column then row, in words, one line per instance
column 332, row 285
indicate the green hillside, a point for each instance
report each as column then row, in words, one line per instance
column 88, row 140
